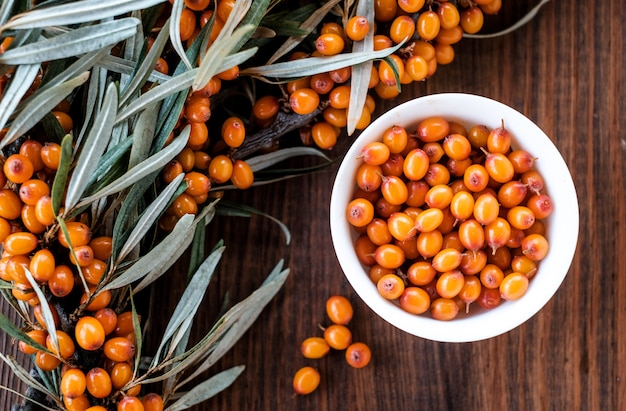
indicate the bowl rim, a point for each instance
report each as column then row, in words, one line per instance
column 563, row 224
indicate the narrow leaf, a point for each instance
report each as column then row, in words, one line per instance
column 235, row 209
column 93, row 148
column 141, row 170
column 76, row 12
column 263, row 161
column 207, row 389
column 192, row 296
column 220, row 48
column 143, row 135
column 149, row 216
column 39, row 107
column 308, row 26
column 72, row 43
column 238, row 12
column 45, row 309
column 174, row 31
column 19, row 85
column 19, row 394
column 146, row 66
column 122, row 66
column 158, row 259
column 15, row 332
column 315, row 65
column 362, row 72
column 62, row 173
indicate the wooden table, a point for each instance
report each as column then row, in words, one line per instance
column 564, row 71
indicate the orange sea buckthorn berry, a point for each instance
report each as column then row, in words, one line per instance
column 220, row 168
column 365, row 250
column 387, row 92
column 525, row 265
column 414, row 300
column 94, row 271
column 513, row 286
column 376, row 272
column 360, row 212
column 31, row 149
column 401, row 226
column 304, row 101
column 229, row 74
column 242, row 175
column 314, row 347
column 428, row 25
column 121, row 373
column 46, row 362
column 389, row 256
column 450, row 283
column 51, row 155
column 338, row 336
column 152, row 402
column 410, row 6
column 198, row 109
column 357, row 28
column 82, row 255
column 62, row 281
column 540, row 204
column 470, row 291
column 20, row 243
column 66, row 347
column 108, row 318
column 448, row 37
column 390, row 286
column 499, row 167
column 447, row 259
column 266, row 107
column 80, row 403
column 16, row 267
column 89, row 333
column 520, row 217
column 32, row 190
column 96, row 408
column 522, row 160
column 321, row 83
column 130, row 403
column 39, row 336
column 457, row 146
column 339, row 97
column 124, row 324
column 233, row 131
column 184, row 204
column 416, row 67
column 402, row 29
column 187, row 24
column 18, row 168
column 79, row 234
column 97, row 301
column 5, row 229
column 198, row 136
column 324, row 135
column 329, row 44
column 429, row 243
column 471, row 235
column 491, row 276
column 444, row 309
column 23, row 291
column 224, row 8
column 393, row 166
column 434, row 128
column 119, row 349
column 429, row 220
column 476, row 178
column 333, row 28
column 472, row 19
column 73, row 383
column 486, row 208
column 306, row 380
column 339, row 309
column 394, row 190
column 197, row 5
column 416, row 164
column 358, row 355
column 395, row 138
column 535, row 247
column 43, row 210
column 497, row 233
column 449, row 15
column 64, row 120
column 197, row 183
column 423, row 49
column 98, row 382
column 387, row 72
column 462, row 205
column 492, row 7
column 385, row 10
column 30, row 220
column 375, row 153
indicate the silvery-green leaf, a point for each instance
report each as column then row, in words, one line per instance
column 48, row 318
column 40, row 106
column 146, row 167
column 149, row 216
column 143, row 135
column 19, row 85
column 72, row 43
column 60, row 178
column 178, row 83
column 220, row 49
column 308, row 25
column 158, row 259
column 23, row 375
column 190, row 300
column 146, row 67
column 122, row 66
column 20, row 307
column 254, row 15
column 528, row 17
column 111, row 157
column 237, row 321
column 207, row 389
column 263, row 161
column 76, row 12
column 315, row 65
column 174, row 31
column 181, row 242
column 238, row 12
column 137, row 332
column 6, row 7
column 95, row 145
column 91, row 101
column 361, row 73
column 175, row 84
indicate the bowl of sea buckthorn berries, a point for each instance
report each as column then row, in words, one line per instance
column 454, row 217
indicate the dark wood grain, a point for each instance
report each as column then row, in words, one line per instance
column 564, row 70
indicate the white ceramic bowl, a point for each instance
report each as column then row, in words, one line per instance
column 562, row 224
